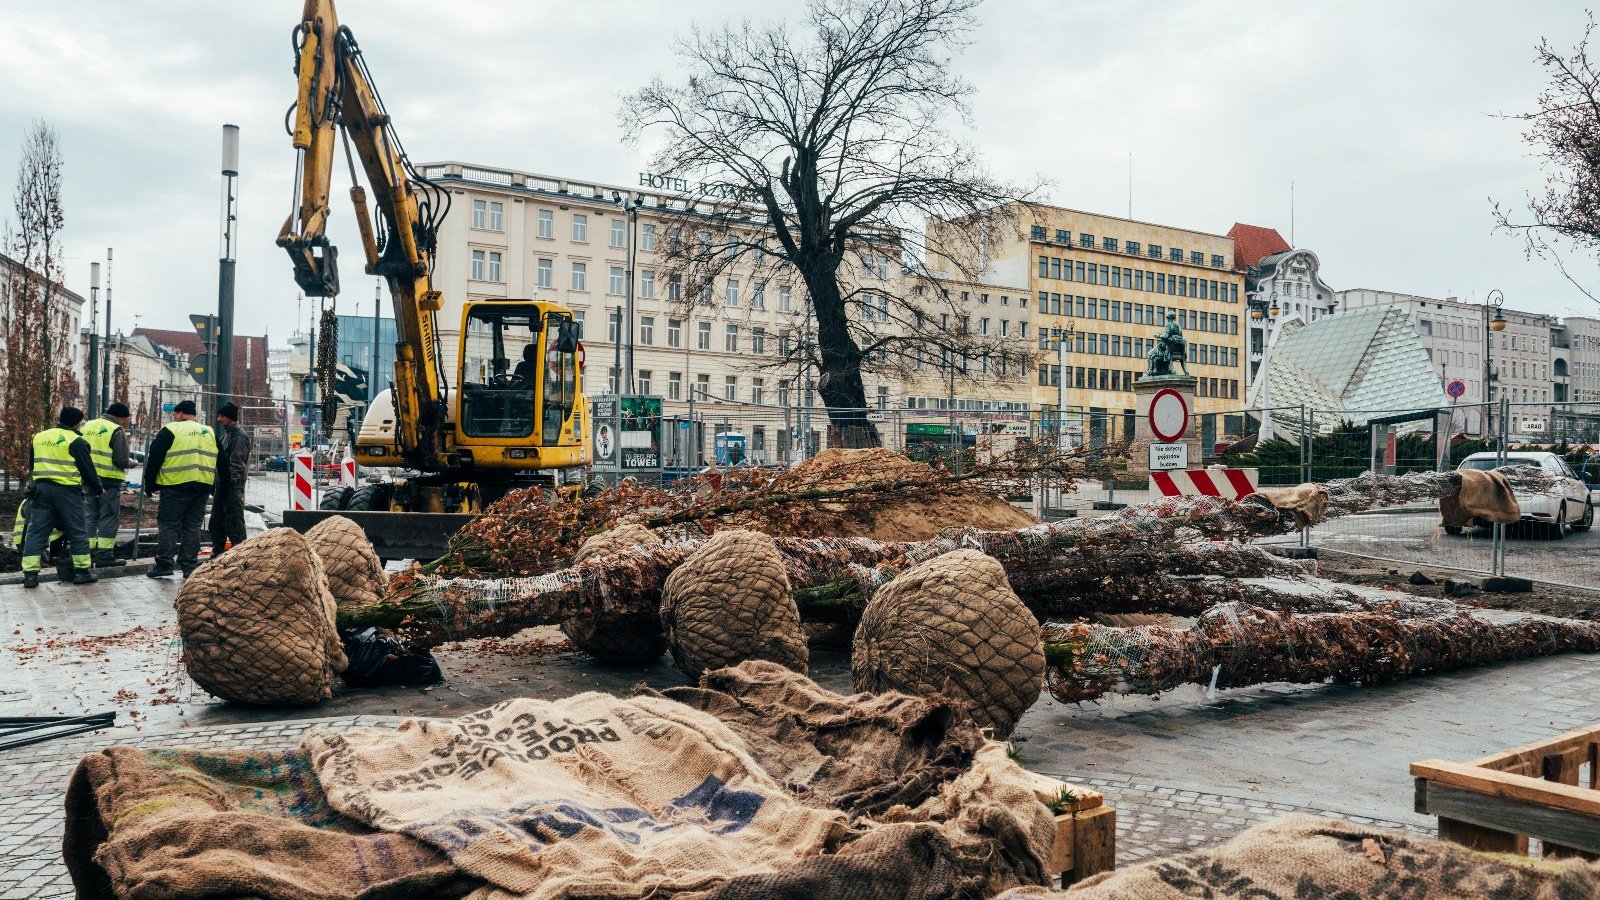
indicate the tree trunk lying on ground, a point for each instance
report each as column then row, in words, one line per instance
column 837, row 573
column 1234, row 645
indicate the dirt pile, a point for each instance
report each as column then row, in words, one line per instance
column 918, row 512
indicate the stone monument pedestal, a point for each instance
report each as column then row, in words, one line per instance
column 1145, row 389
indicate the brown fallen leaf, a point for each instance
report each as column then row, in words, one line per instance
column 1374, row 851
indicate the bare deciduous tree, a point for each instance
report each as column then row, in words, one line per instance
column 1564, row 132
column 823, row 157
column 34, row 307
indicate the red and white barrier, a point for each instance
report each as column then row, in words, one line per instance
column 1213, row 482
column 347, row 471
column 300, row 494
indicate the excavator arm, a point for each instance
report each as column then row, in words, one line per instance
column 335, row 100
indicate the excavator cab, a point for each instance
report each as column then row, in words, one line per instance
column 520, row 396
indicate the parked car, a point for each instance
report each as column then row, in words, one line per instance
column 1570, row 506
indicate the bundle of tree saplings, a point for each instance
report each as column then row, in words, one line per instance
column 1237, row 644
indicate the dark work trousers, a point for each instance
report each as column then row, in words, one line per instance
column 227, row 517
column 104, row 512
column 178, row 519
column 55, row 506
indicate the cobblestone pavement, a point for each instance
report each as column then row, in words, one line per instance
column 1183, row 771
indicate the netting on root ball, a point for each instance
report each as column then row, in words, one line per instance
column 354, row 572
column 258, row 623
column 621, row 639
column 952, row 626
column 730, row 602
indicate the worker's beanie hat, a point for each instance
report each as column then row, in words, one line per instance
column 70, row 416
column 231, row 410
column 120, row 410
column 186, row 407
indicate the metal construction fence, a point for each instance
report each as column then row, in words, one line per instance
column 1296, row 444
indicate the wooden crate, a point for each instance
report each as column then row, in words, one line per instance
column 1549, row 790
column 1086, row 836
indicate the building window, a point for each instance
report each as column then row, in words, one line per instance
column 644, row 381
column 1036, row 233
column 758, row 295
column 1175, row 255
column 883, row 398
column 494, row 266
column 544, row 273
column 703, row 335
column 580, row 228
column 1063, row 236
column 578, row 316
column 477, row 265
column 1086, row 240
column 1153, row 251
column 647, row 238
column 614, row 283
column 730, row 293
column 580, row 276
column 784, row 299
column 730, row 338
column 613, row 326
column 674, row 333
column 705, row 243
column 480, row 210
column 1132, row 248
column 619, row 234
column 1216, row 260
column 1044, row 267
column 612, row 377
column 674, row 288
column 783, row 392
column 730, row 387
column 647, row 283
column 702, row 386
column 547, row 224
column 1109, row 243
column 1197, row 258
column 758, row 340
column 674, row 385
column 647, row 331
column 757, row 389
column 983, row 325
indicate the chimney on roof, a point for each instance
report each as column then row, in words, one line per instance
column 1451, row 300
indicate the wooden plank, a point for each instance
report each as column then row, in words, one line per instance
column 1477, row 837
column 1094, row 844
column 1504, row 784
column 1509, row 816
column 1061, row 847
column 1525, row 758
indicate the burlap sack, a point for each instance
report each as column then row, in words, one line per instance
column 1483, row 495
column 730, row 602
column 620, row 639
column 952, row 626
column 1306, row 857
column 591, row 796
column 354, row 572
column 258, row 623
column 1308, row 503
column 181, row 824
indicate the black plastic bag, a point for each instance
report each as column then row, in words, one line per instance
column 377, row 658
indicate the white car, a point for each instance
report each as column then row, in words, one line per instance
column 1568, row 507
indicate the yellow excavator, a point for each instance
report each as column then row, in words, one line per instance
column 518, row 420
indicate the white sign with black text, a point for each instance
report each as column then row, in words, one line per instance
column 1166, row 457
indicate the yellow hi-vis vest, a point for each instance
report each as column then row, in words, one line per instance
column 193, row 456
column 52, row 457
column 99, row 432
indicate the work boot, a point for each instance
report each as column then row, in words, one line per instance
column 30, row 579
column 84, row 576
column 107, row 559
column 160, row 571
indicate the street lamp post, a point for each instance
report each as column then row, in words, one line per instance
column 1061, row 382
column 630, row 206
column 1498, row 323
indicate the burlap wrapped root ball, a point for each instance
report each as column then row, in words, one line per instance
column 354, row 572
column 258, row 624
column 616, row 639
column 952, row 626
column 730, row 602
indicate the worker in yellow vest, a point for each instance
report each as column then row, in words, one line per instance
column 108, row 444
column 63, row 471
column 182, row 466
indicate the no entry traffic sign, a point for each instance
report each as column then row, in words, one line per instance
column 1169, row 415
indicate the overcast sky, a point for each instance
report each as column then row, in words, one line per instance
column 1381, row 113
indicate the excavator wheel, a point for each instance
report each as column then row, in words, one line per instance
column 335, row 499
column 369, row 498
